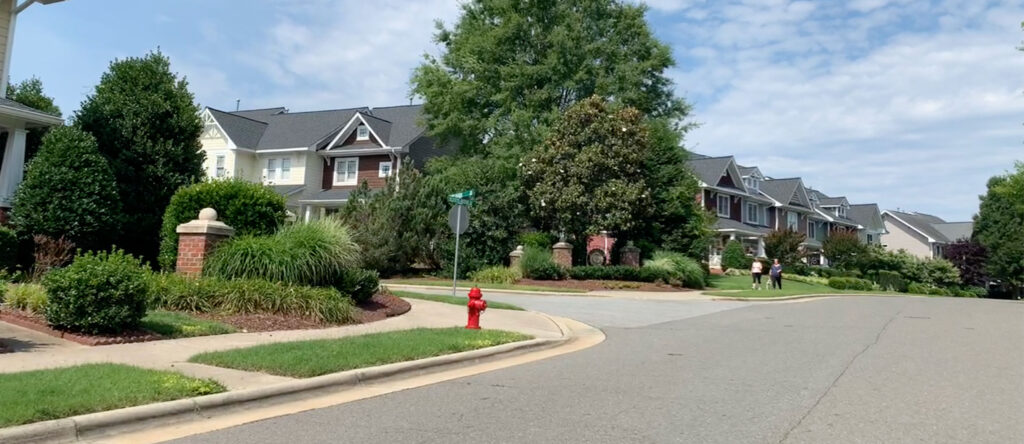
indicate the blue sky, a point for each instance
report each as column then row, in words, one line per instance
column 910, row 104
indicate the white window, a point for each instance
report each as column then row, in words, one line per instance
column 362, row 133
column 384, row 169
column 842, row 211
column 792, row 219
column 345, row 170
column 753, row 212
column 219, row 168
column 271, row 169
column 286, row 168
column 723, row 205
column 811, row 229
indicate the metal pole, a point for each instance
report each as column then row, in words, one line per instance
column 458, row 229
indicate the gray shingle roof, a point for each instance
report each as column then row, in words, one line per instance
column 709, row 169
column 287, row 190
column 831, row 201
column 258, row 114
column 327, row 195
column 954, row 231
column 244, row 131
column 923, row 223
column 406, row 124
column 781, row 190
column 381, row 127
column 729, row 224
column 294, row 130
column 866, row 215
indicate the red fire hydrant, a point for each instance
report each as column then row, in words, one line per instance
column 476, row 306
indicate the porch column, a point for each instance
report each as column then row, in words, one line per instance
column 13, row 168
column 760, row 247
column 309, row 213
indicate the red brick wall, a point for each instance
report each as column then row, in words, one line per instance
column 192, row 252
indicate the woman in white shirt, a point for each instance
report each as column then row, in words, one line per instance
column 755, row 272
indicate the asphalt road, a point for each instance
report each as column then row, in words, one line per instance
column 854, row 369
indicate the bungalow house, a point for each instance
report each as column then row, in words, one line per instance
column 742, row 212
column 920, row 234
column 315, row 159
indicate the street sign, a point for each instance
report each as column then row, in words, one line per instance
column 458, row 219
column 462, row 198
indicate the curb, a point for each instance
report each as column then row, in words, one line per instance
column 489, row 290
column 815, row 296
column 94, row 425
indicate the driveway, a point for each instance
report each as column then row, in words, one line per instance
column 847, row 369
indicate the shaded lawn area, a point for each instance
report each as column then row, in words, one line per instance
column 454, row 300
column 179, row 325
column 59, row 393
column 304, row 359
column 466, row 285
column 739, row 286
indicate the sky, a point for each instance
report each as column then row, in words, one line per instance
column 909, row 104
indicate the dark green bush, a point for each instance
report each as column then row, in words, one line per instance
column 891, row 281
column 358, row 283
column 975, row 292
column 98, row 293
column 681, row 268
column 917, row 288
column 8, row 249
column 314, row 253
column 850, row 283
column 537, row 239
column 936, row 291
column 609, row 273
column 249, row 208
column 836, row 272
column 799, row 268
column 735, row 257
column 248, row 296
column 547, row 272
column 536, row 263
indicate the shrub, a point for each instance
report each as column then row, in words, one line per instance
column 917, row 288
column 249, row 208
column 315, row 253
column 850, row 283
column 497, row 275
column 358, row 284
column 891, row 281
column 536, row 263
column 936, row 291
column 975, row 292
column 801, row 269
column 50, row 253
column 8, row 249
column 736, row 272
column 537, row 239
column 784, row 245
column 248, row 296
column 807, row 279
column 98, row 293
column 734, row 257
column 682, row 268
column 28, row 297
column 941, row 273
column 87, row 213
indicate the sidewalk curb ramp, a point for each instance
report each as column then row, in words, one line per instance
column 101, row 424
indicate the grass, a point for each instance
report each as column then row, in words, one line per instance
column 179, row 325
column 454, row 300
column 59, row 393
column 739, row 286
column 466, row 284
column 305, row 359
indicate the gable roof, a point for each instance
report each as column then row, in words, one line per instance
column 711, row 169
column 922, row 223
column 866, row 215
column 827, row 201
column 245, row 132
column 259, row 113
column 954, row 231
column 785, row 191
column 406, row 124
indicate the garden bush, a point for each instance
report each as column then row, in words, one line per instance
column 937, row 291
column 28, row 297
column 891, row 281
column 358, row 284
column 249, row 208
column 734, row 257
column 315, row 253
column 850, row 283
column 917, row 288
column 621, row 273
column 736, row 272
column 248, row 296
column 536, row 263
column 497, row 275
column 537, row 239
column 683, row 269
column 807, row 279
column 8, row 249
column 98, row 293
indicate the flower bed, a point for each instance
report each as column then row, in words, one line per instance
column 38, row 323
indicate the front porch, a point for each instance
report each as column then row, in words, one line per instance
column 15, row 121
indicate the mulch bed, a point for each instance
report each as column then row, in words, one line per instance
column 38, row 323
column 591, row 285
column 381, row 306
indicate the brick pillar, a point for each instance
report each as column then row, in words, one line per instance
column 630, row 255
column 561, row 253
column 197, row 238
column 515, row 256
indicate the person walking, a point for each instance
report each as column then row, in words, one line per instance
column 755, row 273
column 776, row 275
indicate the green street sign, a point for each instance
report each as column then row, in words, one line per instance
column 463, row 198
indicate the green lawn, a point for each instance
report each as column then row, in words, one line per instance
column 455, row 300
column 179, row 325
column 468, row 284
column 739, row 286
column 59, row 393
column 305, row 359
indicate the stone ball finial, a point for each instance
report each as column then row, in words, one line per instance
column 208, row 214
column 519, row 248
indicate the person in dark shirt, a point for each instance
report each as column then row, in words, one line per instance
column 776, row 275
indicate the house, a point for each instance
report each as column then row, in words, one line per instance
column 315, row 159
column 742, row 212
column 922, row 235
column 869, row 217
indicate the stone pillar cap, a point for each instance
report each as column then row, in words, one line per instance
column 517, row 252
column 206, row 224
column 562, row 244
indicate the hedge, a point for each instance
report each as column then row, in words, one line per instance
column 850, row 283
column 620, row 273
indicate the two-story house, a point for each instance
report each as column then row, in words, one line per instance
column 922, row 235
column 317, row 158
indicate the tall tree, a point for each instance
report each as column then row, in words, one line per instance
column 998, row 224
column 844, row 250
column 147, row 125
column 784, row 245
column 30, row 93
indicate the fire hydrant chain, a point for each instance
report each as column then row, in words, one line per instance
column 476, row 306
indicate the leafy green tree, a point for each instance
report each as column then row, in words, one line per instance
column 998, row 224
column 588, row 175
column 734, row 256
column 147, row 125
column 30, row 93
column 87, row 213
column 784, row 245
column 844, row 250
column 510, row 68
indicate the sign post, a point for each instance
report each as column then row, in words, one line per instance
column 458, row 220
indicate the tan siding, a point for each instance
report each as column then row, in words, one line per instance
column 903, row 237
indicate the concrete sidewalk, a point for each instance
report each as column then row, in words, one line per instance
column 173, row 354
column 687, row 295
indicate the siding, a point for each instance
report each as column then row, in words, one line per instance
column 368, row 168
column 903, row 237
column 297, row 175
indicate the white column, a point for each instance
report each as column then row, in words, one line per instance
column 760, row 247
column 13, row 168
column 309, row 213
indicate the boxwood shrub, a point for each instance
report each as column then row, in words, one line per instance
column 358, row 284
column 98, row 293
column 850, row 283
column 249, row 208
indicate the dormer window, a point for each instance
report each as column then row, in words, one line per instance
column 842, row 211
column 362, row 133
